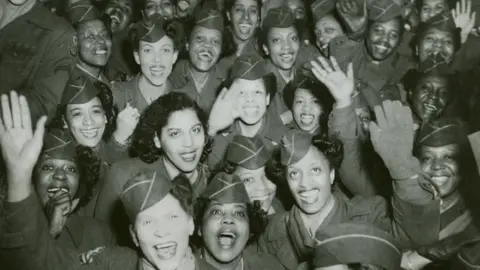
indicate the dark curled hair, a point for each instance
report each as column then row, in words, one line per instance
column 443, row 26
column 89, row 165
column 183, row 192
column 106, row 99
column 332, row 149
column 256, row 215
column 173, row 28
column 155, row 118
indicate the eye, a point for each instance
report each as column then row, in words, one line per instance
column 299, row 101
column 97, row 111
column 105, row 35
column 147, row 50
column 217, row 41
column 275, row 40
column 294, row 38
column 293, row 174
column 47, row 168
column 248, row 180
column 77, row 114
column 174, row 216
column 329, row 30
column 71, row 169
column 146, row 222
column 174, row 133
column 316, row 170
column 215, row 212
column 254, row 11
column 426, row 159
column 167, row 50
column 240, row 214
column 199, row 38
column 197, row 129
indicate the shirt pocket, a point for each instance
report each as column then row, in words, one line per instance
column 18, row 63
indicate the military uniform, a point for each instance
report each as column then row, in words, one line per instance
column 35, row 58
column 121, row 66
column 287, row 238
column 250, row 48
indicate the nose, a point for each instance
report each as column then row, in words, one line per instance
column 161, row 231
column 287, row 45
column 88, row 119
column 59, row 174
column 228, row 219
column 437, row 164
column 188, row 140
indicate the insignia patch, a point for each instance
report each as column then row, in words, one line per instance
column 87, row 257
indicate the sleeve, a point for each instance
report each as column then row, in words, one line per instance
column 51, row 77
column 114, row 151
column 468, row 56
column 25, row 242
column 354, row 175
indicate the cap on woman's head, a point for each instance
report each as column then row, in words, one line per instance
column 209, row 18
column 294, row 146
column 249, row 153
column 150, row 29
column 443, row 131
column 280, row 17
column 320, row 8
column 249, row 67
column 59, row 144
column 349, row 243
column 384, row 10
column 82, row 11
column 226, row 188
column 80, row 89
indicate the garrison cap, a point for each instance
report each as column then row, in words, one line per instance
column 249, row 153
column 226, row 188
column 294, row 146
column 442, row 132
column 58, row 143
column 82, row 11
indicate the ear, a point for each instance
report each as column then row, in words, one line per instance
column 267, row 101
column 187, row 46
column 156, row 141
column 106, row 120
column 191, row 226
column 134, row 236
column 332, row 176
column 74, row 45
column 65, row 124
column 137, row 57
column 228, row 16
column 265, row 49
column 175, row 57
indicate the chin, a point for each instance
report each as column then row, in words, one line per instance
column 251, row 120
column 156, row 81
column 89, row 142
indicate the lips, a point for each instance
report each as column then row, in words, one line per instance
column 227, row 239
column 307, row 119
column 429, row 106
column 309, row 196
column 244, row 28
column 114, row 19
column 205, row 56
column 100, row 51
column 90, row 133
column 381, row 48
column 51, row 191
column 166, row 250
column 157, row 70
column 189, row 156
column 286, row 57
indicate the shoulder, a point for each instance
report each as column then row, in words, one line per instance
column 277, row 227
column 41, row 17
column 179, row 77
column 367, row 205
column 468, row 257
column 109, row 258
column 259, row 260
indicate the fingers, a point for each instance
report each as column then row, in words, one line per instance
column 334, row 63
column 380, row 116
column 25, row 114
column 325, row 65
column 318, row 71
column 350, row 71
column 469, row 6
column 38, row 135
column 350, row 5
column 6, row 112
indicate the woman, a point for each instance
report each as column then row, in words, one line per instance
column 156, row 44
column 246, row 158
column 327, row 24
column 310, row 103
column 244, row 17
column 93, row 42
column 165, row 8
column 199, row 76
column 226, row 222
column 170, row 137
column 87, row 111
column 243, row 108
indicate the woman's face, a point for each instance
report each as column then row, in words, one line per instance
column 310, row 181
column 225, row 230
column 245, row 17
column 430, row 97
column 306, row 110
column 282, row 47
column 383, row 38
column 120, row 13
column 258, row 186
column 182, row 140
column 430, row 8
column 253, row 100
column 440, row 165
column 434, row 42
column 204, row 48
column 326, row 29
column 163, row 7
column 156, row 60
column 54, row 175
column 297, row 7
column 162, row 232
column 86, row 122
column 94, row 43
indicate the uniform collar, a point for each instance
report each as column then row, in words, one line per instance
column 268, row 130
column 74, row 227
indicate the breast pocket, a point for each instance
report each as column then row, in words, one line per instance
column 17, row 63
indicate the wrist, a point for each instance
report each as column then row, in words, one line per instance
column 19, row 187
column 121, row 137
column 343, row 103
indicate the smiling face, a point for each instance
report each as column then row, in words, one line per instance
column 163, row 7
column 86, row 122
column 430, row 8
column 436, row 41
column 383, row 38
column 253, row 100
column 440, row 164
column 225, row 230
column 310, row 181
column 245, row 17
column 94, row 43
column 52, row 175
column 156, row 60
column 306, row 110
column 162, row 232
column 297, row 7
column 282, row 47
column 430, row 97
column 204, row 47
column 326, row 29
column 120, row 13
column 258, row 186
column 182, row 140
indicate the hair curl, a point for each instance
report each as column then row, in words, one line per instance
column 89, row 165
column 155, row 118
column 183, row 192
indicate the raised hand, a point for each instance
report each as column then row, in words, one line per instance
column 225, row 109
column 57, row 210
column 354, row 15
column 127, row 120
column 340, row 85
column 20, row 146
column 464, row 18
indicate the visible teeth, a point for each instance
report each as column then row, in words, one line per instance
column 245, row 28
column 55, row 190
column 100, row 52
column 262, row 198
column 287, row 57
column 309, row 196
column 205, row 54
column 306, row 118
column 430, row 107
column 188, row 157
column 228, row 234
column 164, row 246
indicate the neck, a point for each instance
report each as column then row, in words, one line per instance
column 240, row 45
column 200, row 76
column 146, row 265
column 286, row 74
column 151, row 91
column 449, row 201
column 313, row 221
column 173, row 172
column 90, row 70
column 10, row 12
column 250, row 130
column 219, row 265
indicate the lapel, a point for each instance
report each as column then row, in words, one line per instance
column 75, row 229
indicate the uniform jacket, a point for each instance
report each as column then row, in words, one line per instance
column 183, row 81
column 25, row 244
column 35, row 59
column 271, row 133
column 371, row 77
column 121, row 64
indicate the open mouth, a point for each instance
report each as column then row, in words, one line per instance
column 306, row 119
column 114, row 19
column 309, row 196
column 205, row 56
column 429, row 106
column 189, row 156
column 53, row 191
column 90, row 133
column 166, row 250
column 381, row 48
column 227, row 239
column 100, row 51
column 286, row 57
column 157, row 70
column 244, row 28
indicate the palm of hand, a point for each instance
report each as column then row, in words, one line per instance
column 339, row 81
column 18, row 145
